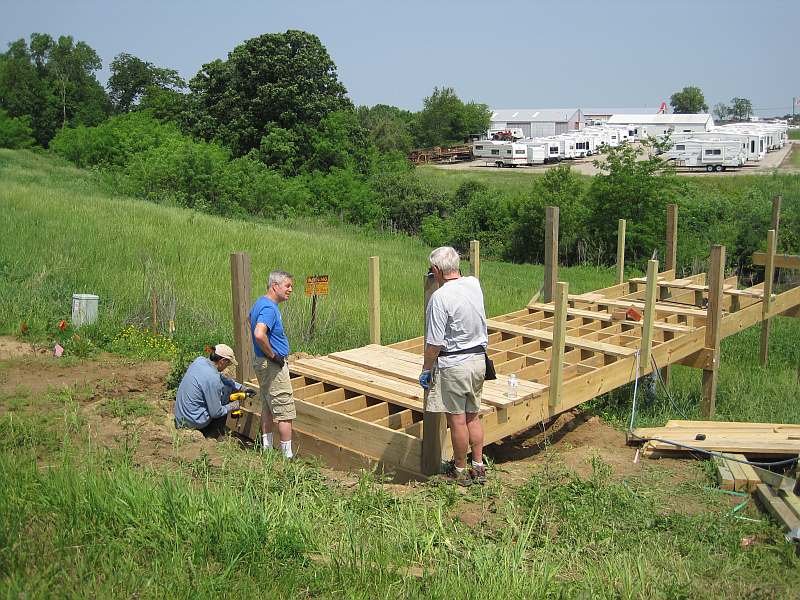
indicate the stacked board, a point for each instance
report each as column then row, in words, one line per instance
column 765, row 439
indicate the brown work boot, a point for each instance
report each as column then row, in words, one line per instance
column 452, row 475
column 478, row 473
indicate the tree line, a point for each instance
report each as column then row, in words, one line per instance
column 266, row 96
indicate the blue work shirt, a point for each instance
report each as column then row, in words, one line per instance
column 266, row 311
column 202, row 395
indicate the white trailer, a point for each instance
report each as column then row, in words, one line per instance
column 537, row 153
column 753, row 145
column 502, row 154
column 713, row 155
column 581, row 144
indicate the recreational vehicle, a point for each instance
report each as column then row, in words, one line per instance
column 713, row 155
column 501, row 153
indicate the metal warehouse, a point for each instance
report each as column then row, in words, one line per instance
column 537, row 122
column 645, row 125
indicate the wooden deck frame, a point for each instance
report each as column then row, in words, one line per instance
column 363, row 407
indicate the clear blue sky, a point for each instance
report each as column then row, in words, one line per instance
column 514, row 54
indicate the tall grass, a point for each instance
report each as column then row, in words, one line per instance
column 83, row 522
column 62, row 234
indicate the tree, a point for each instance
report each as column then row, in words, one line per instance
column 741, row 109
column 286, row 80
column 721, row 111
column 445, row 119
column 131, row 77
column 53, row 83
column 689, row 100
column 389, row 127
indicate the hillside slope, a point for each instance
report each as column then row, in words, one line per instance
column 65, row 234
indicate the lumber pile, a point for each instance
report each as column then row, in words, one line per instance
column 736, row 442
column 761, row 439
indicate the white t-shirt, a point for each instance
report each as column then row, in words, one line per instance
column 456, row 319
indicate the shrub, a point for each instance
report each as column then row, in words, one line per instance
column 184, row 172
column 114, row 142
column 15, row 132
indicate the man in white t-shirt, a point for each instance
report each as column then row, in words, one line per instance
column 454, row 366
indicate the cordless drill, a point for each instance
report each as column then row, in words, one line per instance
column 239, row 397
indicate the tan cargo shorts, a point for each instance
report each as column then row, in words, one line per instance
column 275, row 389
column 457, row 389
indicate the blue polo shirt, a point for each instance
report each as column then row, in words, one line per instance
column 266, row 311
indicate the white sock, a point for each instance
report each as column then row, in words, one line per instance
column 460, row 469
column 286, row 448
column 266, row 440
column 477, row 464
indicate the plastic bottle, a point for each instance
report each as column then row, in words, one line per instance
column 512, row 386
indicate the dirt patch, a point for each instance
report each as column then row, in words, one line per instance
column 11, row 348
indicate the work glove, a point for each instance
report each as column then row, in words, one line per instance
column 249, row 392
column 279, row 360
column 425, row 379
column 232, row 406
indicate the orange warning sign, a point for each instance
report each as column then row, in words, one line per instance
column 317, row 285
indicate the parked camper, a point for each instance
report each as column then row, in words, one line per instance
column 537, row 153
column 501, row 153
column 713, row 155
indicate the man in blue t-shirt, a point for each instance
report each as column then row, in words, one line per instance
column 271, row 348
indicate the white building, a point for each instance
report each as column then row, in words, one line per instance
column 659, row 125
column 537, row 122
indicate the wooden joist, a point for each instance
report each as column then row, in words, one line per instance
column 781, row 261
column 572, row 341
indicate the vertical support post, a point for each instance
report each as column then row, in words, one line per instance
column 559, row 338
column 621, row 251
column 671, row 259
column 374, row 300
column 434, row 425
column 550, row 253
column 769, row 272
column 649, row 313
column 716, row 278
column 241, row 291
column 153, row 310
column 776, row 213
column 475, row 258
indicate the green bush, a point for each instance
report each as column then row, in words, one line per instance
column 113, row 143
column 15, row 132
column 183, row 172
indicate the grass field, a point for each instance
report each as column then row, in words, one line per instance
column 78, row 520
column 63, row 235
column 794, row 134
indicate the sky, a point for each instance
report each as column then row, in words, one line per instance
column 514, row 54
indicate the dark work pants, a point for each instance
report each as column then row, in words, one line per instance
column 215, row 428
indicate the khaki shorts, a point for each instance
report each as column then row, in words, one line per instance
column 457, row 389
column 275, row 389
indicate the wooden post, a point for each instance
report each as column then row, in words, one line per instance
column 671, row 259
column 716, row 278
column 475, row 258
column 621, row 251
column 241, row 291
column 776, row 213
column 649, row 314
column 769, row 272
column 153, row 310
column 557, row 351
column 550, row 253
column 374, row 300
column 434, row 425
